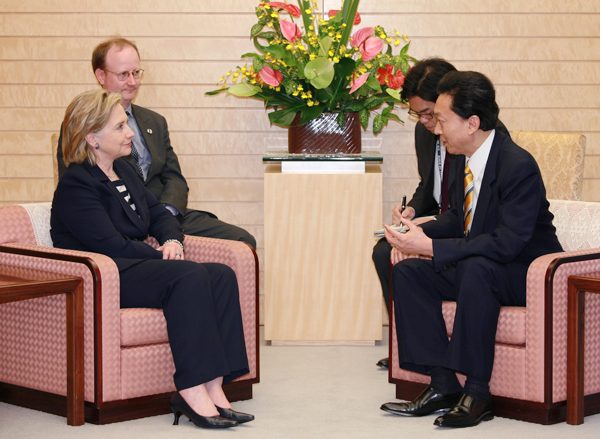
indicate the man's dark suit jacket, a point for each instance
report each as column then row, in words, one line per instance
column 89, row 214
column 512, row 222
column 165, row 180
column 422, row 200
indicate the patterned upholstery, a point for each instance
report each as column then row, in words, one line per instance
column 136, row 358
column 519, row 367
column 560, row 158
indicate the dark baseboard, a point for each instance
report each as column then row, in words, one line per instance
column 529, row 411
column 109, row 412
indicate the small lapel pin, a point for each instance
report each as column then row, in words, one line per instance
column 149, row 131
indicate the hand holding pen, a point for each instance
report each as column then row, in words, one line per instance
column 401, row 210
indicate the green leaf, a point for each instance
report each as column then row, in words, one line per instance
column 404, row 49
column 243, row 90
column 309, row 113
column 373, row 102
column 355, row 107
column 404, row 66
column 363, row 117
column 394, row 116
column 249, row 55
column 283, row 117
column 393, row 93
column 341, row 119
column 216, row 92
column 256, row 29
column 290, row 87
column 373, row 83
column 378, row 124
column 326, row 42
column 320, row 72
column 258, row 64
column 268, row 35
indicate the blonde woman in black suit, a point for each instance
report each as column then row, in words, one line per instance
column 101, row 206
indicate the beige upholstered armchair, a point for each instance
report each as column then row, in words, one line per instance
column 560, row 158
column 128, row 363
column 529, row 380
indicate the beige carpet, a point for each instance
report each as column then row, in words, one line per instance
column 305, row 392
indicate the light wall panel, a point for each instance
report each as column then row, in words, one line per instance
column 543, row 56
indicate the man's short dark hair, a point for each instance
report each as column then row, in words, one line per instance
column 423, row 78
column 99, row 54
column 472, row 94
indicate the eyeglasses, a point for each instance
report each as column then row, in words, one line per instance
column 425, row 116
column 123, row 76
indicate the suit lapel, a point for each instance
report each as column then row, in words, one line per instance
column 485, row 192
column 97, row 173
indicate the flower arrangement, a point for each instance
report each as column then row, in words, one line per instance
column 320, row 66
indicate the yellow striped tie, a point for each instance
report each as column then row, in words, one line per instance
column 468, row 198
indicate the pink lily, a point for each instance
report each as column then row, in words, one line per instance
column 270, row 76
column 367, row 43
column 357, row 82
column 290, row 31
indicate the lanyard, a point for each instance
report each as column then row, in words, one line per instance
column 438, row 148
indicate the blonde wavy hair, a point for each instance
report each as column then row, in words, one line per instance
column 87, row 113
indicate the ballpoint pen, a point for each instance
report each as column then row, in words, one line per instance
column 403, row 203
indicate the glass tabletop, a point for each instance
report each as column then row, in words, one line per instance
column 284, row 156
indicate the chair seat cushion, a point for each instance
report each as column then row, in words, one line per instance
column 143, row 326
column 511, row 323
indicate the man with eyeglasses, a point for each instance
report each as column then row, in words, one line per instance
column 434, row 165
column 116, row 65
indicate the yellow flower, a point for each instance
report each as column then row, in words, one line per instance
column 289, row 47
column 311, row 27
column 222, row 78
column 244, row 69
column 278, row 88
column 274, row 15
column 336, row 60
column 405, row 38
column 270, row 24
column 304, row 95
column 397, row 33
column 296, row 93
column 253, row 81
column 369, row 65
column 312, row 56
column 330, row 53
column 310, row 103
column 343, row 25
column 389, row 39
column 300, row 88
column 266, row 6
column 308, row 11
column 382, row 36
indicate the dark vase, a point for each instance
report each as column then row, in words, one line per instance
column 324, row 135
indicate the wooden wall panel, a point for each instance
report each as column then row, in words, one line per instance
column 543, row 56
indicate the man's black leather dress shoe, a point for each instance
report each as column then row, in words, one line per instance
column 384, row 363
column 426, row 403
column 468, row 412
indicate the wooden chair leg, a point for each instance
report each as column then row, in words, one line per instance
column 575, row 354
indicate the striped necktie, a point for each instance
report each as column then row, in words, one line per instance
column 134, row 152
column 468, row 198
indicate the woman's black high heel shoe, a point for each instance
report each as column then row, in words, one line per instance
column 239, row 417
column 181, row 407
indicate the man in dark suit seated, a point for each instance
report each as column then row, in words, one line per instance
column 116, row 65
column 480, row 250
column 434, row 164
